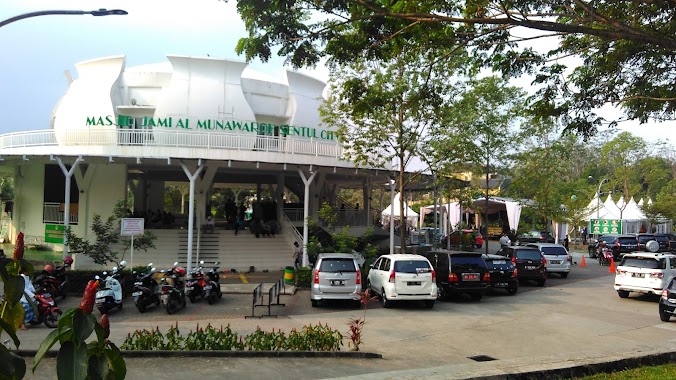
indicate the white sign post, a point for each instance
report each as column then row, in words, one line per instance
column 131, row 227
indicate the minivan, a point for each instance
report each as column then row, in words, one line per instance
column 336, row 276
column 460, row 273
column 403, row 277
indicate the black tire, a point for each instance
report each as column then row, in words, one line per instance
column 623, row 293
column 664, row 317
column 429, row 304
column 172, row 305
column 103, row 310
column 442, row 295
column 315, row 303
column 213, row 297
column 384, row 301
column 52, row 320
column 512, row 291
column 141, row 307
column 357, row 304
column 564, row 274
column 541, row 283
column 191, row 296
column 476, row 297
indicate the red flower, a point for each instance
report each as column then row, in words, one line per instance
column 89, row 296
column 19, row 247
column 105, row 323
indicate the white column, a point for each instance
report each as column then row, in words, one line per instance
column 392, row 182
column 191, row 207
column 66, row 212
column 306, row 211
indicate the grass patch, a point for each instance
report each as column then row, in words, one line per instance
column 659, row 372
column 35, row 254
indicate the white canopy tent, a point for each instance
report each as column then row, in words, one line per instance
column 512, row 206
column 450, row 215
column 410, row 215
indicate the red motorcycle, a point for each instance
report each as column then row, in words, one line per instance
column 605, row 255
column 195, row 285
column 47, row 313
column 54, row 280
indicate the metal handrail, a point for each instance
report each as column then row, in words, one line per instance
column 290, row 228
column 162, row 138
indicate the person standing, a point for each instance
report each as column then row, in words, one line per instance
column 29, row 291
column 565, row 242
column 297, row 254
column 504, row 240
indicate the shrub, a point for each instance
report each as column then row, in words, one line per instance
column 303, row 277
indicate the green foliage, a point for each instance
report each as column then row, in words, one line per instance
column 78, row 359
column 309, row 338
column 106, row 236
column 607, row 37
column 303, row 277
column 328, row 215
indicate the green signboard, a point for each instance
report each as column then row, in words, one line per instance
column 605, row 226
column 54, row 233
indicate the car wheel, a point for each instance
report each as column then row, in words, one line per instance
column 441, row 293
column 368, row 287
column 383, row 299
column 541, row 283
column 430, row 304
column 623, row 293
column 315, row 303
column 564, row 274
column 512, row 291
column 664, row 317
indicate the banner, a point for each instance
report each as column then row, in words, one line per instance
column 54, row 233
column 605, row 226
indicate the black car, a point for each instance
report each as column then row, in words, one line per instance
column 672, row 242
column 620, row 244
column 504, row 274
column 534, row 237
column 667, row 306
column 643, row 239
column 529, row 262
column 664, row 242
column 459, row 273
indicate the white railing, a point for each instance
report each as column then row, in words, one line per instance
column 53, row 213
column 290, row 230
column 159, row 138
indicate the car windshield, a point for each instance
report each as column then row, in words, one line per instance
column 337, row 265
column 627, row 240
column 528, row 255
column 661, row 238
column 411, row 266
column 498, row 263
column 641, row 262
column 645, row 238
column 467, row 261
column 554, row 251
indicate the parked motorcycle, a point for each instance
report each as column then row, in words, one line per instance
column 196, row 285
column 146, row 289
column 54, row 280
column 173, row 289
column 214, row 288
column 47, row 312
column 109, row 295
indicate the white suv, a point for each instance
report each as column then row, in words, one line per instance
column 403, row 277
column 558, row 258
column 644, row 272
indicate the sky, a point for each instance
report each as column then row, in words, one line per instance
column 37, row 51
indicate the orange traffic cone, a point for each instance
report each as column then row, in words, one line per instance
column 583, row 264
column 612, row 266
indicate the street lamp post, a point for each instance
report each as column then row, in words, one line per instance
column 97, row 12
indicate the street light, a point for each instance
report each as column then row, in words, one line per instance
column 97, row 12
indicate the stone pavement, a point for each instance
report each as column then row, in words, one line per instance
column 569, row 322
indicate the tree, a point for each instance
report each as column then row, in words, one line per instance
column 620, row 156
column 476, row 134
column 664, row 206
column 626, row 47
column 107, row 236
column 383, row 110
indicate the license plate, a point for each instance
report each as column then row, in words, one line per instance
column 529, row 267
column 414, row 283
column 555, row 261
column 470, row 277
column 499, row 262
column 337, row 283
column 501, row 284
column 207, row 287
column 188, row 288
column 637, row 275
column 136, row 294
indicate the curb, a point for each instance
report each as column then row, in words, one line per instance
column 587, row 369
column 227, row 354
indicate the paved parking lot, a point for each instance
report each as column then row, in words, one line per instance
column 575, row 320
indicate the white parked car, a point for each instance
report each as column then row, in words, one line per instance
column 644, row 272
column 403, row 277
column 558, row 258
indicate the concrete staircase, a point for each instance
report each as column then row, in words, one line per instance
column 232, row 251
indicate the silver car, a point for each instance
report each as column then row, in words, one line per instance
column 336, row 276
column 558, row 259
